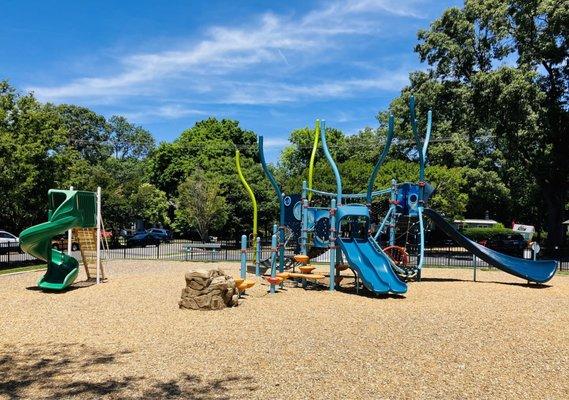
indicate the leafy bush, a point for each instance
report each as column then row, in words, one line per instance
column 478, row 234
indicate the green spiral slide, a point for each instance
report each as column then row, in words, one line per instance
column 67, row 209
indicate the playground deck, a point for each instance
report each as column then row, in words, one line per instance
column 448, row 338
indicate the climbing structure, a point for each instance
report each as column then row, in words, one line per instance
column 87, row 238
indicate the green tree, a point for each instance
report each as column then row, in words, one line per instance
column 210, row 146
column 200, row 205
column 129, row 140
column 30, row 135
column 150, row 204
column 512, row 117
column 85, row 131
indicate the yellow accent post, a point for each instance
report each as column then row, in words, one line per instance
column 313, row 157
column 251, row 195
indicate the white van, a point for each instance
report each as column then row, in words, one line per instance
column 8, row 242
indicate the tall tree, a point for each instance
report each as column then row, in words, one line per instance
column 86, row 131
column 200, row 204
column 129, row 140
column 520, row 111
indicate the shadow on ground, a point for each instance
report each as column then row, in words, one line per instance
column 76, row 370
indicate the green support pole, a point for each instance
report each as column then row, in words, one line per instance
column 250, row 192
column 313, row 157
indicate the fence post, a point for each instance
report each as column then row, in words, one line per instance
column 448, row 256
column 257, row 256
column 158, row 251
column 474, row 265
column 243, row 256
column 124, row 252
column 332, row 240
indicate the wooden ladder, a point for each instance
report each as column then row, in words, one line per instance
column 87, row 238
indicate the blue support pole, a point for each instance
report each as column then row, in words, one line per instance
column 382, row 225
column 332, row 244
column 421, row 243
column 280, row 196
column 304, row 232
column 332, row 163
column 382, row 157
column 282, row 236
column 273, row 260
column 258, row 256
column 393, row 207
column 243, row 256
column 304, row 220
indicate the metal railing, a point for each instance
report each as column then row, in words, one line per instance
column 229, row 250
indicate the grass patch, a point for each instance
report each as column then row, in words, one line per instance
column 22, row 269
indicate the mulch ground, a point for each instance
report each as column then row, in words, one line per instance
column 447, row 338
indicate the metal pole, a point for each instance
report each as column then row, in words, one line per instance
column 243, row 256
column 393, row 207
column 304, row 221
column 70, row 235
column 332, row 163
column 273, row 260
column 332, row 244
column 258, row 256
column 98, row 235
column 474, row 265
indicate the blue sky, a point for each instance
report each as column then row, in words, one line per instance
column 272, row 65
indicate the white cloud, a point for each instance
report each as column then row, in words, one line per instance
column 168, row 111
column 210, row 65
column 273, row 142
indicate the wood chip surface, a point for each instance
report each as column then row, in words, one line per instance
column 448, row 338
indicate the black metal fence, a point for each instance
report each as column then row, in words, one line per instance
column 185, row 250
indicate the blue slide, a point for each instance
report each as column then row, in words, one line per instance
column 535, row 271
column 372, row 266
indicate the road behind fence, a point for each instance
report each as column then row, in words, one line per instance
column 184, row 250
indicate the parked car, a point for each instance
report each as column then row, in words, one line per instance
column 508, row 243
column 163, row 234
column 142, row 239
column 9, row 242
column 60, row 243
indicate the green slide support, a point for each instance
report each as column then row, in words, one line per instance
column 313, row 157
column 251, row 195
column 67, row 209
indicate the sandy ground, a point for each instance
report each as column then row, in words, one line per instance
column 449, row 338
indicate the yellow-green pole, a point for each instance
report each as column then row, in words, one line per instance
column 251, row 195
column 313, row 157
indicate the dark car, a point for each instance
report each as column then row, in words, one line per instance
column 142, row 239
column 163, row 234
column 507, row 243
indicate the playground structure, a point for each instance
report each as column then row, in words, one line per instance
column 79, row 214
column 344, row 227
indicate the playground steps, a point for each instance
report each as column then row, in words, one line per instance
column 87, row 238
column 314, row 277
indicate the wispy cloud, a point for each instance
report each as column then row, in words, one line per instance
column 238, row 64
column 168, row 111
